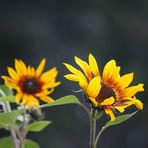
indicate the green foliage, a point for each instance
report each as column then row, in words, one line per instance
column 119, row 119
column 10, row 99
column 62, row 101
column 37, row 126
column 8, row 119
column 30, row 144
column 8, row 91
column 6, row 142
column 6, row 94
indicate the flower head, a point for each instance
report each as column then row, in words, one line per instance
column 30, row 84
column 109, row 91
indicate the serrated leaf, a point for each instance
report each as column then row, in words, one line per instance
column 119, row 119
column 62, row 101
column 8, row 119
column 37, row 126
column 8, row 91
column 6, row 142
column 10, row 99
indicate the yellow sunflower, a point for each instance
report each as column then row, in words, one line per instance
column 30, row 84
column 109, row 91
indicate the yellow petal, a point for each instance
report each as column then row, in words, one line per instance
column 85, row 67
column 74, row 70
column 51, row 85
column 25, row 99
column 8, row 79
column 133, row 101
column 127, row 102
column 108, row 101
column 131, row 91
column 120, row 108
column 29, row 71
column 49, row 75
column 33, row 102
column 18, row 97
column 13, row 73
column 10, row 82
column 125, row 80
column 109, row 70
column 83, row 83
column 72, row 77
column 82, row 79
column 19, row 68
column 94, row 87
column 23, row 66
column 110, row 113
column 115, row 75
column 32, row 71
column 138, row 103
column 44, row 92
column 40, row 67
column 94, row 102
column 93, row 65
column 46, row 99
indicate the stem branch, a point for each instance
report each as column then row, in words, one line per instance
column 98, row 136
column 93, row 116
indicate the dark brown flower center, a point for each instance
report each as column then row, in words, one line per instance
column 105, row 92
column 30, row 86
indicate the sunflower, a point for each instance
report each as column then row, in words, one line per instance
column 30, row 84
column 108, row 91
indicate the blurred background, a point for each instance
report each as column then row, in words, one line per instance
column 60, row 29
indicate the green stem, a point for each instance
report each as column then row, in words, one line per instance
column 98, row 136
column 93, row 116
column 23, row 133
column 87, row 110
column 12, row 130
column 92, row 122
column 7, row 108
column 93, row 128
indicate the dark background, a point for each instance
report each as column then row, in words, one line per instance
column 60, row 29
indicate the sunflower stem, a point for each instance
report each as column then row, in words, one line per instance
column 93, row 128
column 88, row 111
column 92, row 120
column 22, row 130
column 98, row 136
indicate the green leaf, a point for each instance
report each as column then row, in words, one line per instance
column 6, row 142
column 6, row 94
column 119, row 119
column 10, row 99
column 7, row 91
column 30, row 144
column 8, row 119
column 37, row 126
column 64, row 100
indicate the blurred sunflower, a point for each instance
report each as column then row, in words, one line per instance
column 109, row 91
column 30, row 84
